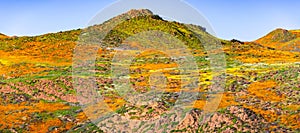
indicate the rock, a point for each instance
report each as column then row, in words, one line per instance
column 2, row 83
column 24, row 118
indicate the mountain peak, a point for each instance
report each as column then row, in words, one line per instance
column 135, row 13
column 279, row 29
column 281, row 39
column 130, row 14
column 282, row 35
column 276, row 37
column 139, row 12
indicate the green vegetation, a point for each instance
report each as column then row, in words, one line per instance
column 262, row 78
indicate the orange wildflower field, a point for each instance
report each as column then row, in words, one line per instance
column 261, row 88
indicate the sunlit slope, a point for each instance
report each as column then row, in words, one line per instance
column 253, row 52
column 3, row 36
column 261, row 91
column 39, row 53
column 282, row 39
column 30, row 55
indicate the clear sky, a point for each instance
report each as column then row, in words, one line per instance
column 245, row 20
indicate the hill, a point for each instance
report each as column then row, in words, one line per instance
column 261, row 91
column 3, row 36
column 56, row 49
column 282, row 39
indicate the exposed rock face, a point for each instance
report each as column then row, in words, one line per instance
column 282, row 35
column 139, row 12
column 191, row 121
column 60, row 88
column 233, row 119
column 131, row 14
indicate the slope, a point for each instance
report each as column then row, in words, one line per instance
column 281, row 39
column 3, row 36
column 261, row 93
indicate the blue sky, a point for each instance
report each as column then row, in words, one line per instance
column 240, row 19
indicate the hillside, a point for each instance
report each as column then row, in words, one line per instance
column 296, row 32
column 261, row 91
column 282, row 39
column 3, row 36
